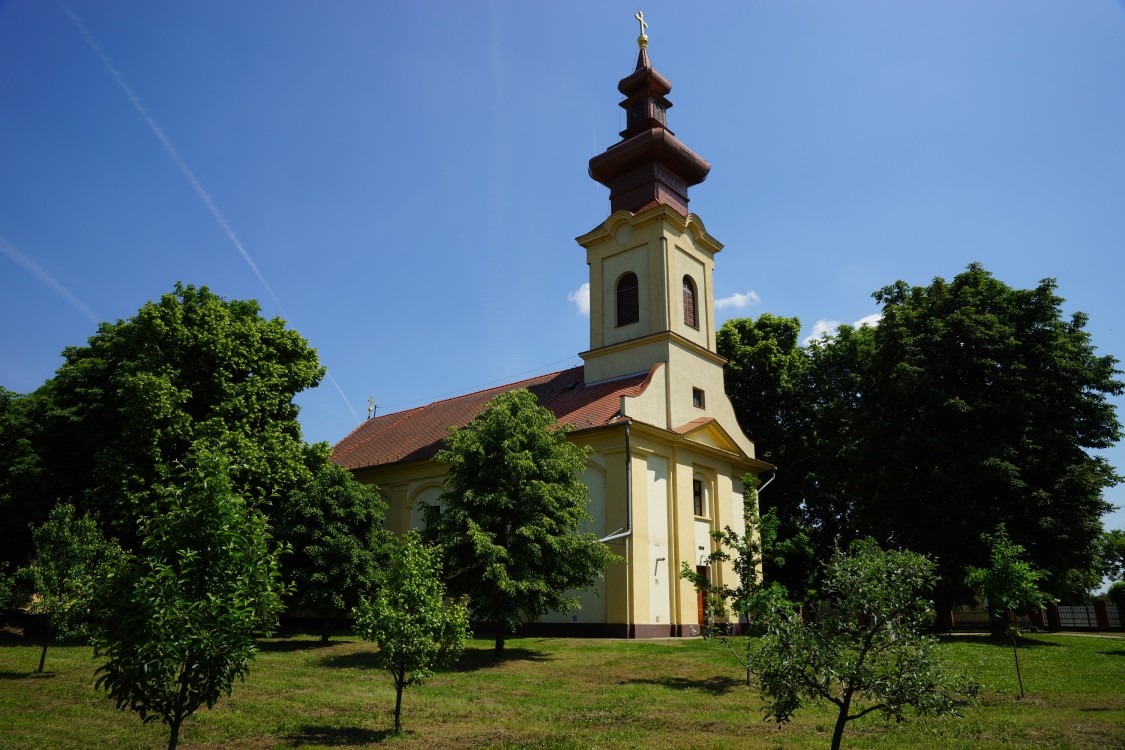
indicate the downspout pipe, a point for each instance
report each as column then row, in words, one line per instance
column 773, row 476
column 628, row 530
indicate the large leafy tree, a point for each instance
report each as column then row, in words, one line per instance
column 178, row 622
column 981, row 406
column 21, row 475
column 416, row 630
column 71, row 559
column 767, row 382
column 862, row 649
column 1111, row 555
column 509, row 519
column 970, row 404
column 335, row 530
column 798, row 404
column 122, row 410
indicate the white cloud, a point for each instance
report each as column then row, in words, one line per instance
column 581, row 298
column 827, row 328
column 871, row 320
column 822, row 329
column 738, row 300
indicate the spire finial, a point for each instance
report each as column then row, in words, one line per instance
column 642, row 40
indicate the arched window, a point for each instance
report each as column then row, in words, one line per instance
column 691, row 317
column 628, row 300
column 701, row 496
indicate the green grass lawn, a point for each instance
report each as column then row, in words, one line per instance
column 552, row 694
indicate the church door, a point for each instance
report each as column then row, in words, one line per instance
column 705, row 571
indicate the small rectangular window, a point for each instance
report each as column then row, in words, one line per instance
column 697, row 398
column 697, row 495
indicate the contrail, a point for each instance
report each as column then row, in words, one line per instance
column 190, row 175
column 48, row 280
column 171, row 149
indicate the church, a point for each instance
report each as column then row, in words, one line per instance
column 649, row 398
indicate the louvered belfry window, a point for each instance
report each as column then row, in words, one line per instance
column 628, row 300
column 691, row 317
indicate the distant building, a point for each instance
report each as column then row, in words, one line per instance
column 649, row 398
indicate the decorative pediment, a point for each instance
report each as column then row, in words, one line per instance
column 707, row 431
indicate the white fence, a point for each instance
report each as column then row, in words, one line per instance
column 1085, row 616
column 1078, row 617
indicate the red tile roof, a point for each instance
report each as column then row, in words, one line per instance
column 689, row 426
column 419, row 433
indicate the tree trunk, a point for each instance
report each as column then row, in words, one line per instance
column 1016, row 654
column 174, row 736
column 399, row 684
column 501, row 631
column 325, row 621
column 998, row 623
column 998, row 626
column 841, row 721
column 42, row 658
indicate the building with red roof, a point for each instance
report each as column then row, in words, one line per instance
column 649, row 398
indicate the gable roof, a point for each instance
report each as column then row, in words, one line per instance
column 419, row 433
column 708, row 431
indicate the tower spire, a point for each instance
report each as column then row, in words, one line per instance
column 649, row 165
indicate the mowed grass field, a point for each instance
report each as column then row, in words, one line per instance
column 552, row 694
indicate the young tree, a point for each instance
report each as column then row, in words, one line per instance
column 752, row 599
column 179, row 620
column 1009, row 584
column 863, row 649
column 408, row 618
column 335, row 529
column 509, row 520
column 71, row 559
column 122, row 411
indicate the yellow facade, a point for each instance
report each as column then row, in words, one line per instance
column 643, row 500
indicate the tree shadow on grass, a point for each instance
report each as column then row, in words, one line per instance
column 1024, row 641
column 291, row 646
column 713, row 685
column 473, row 660
column 1114, row 652
column 354, row 660
column 26, row 675
column 339, row 736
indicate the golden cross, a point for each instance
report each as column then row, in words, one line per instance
column 370, row 407
column 641, row 20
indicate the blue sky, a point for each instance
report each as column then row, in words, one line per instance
column 403, row 182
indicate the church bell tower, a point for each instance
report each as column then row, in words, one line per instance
column 652, row 261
